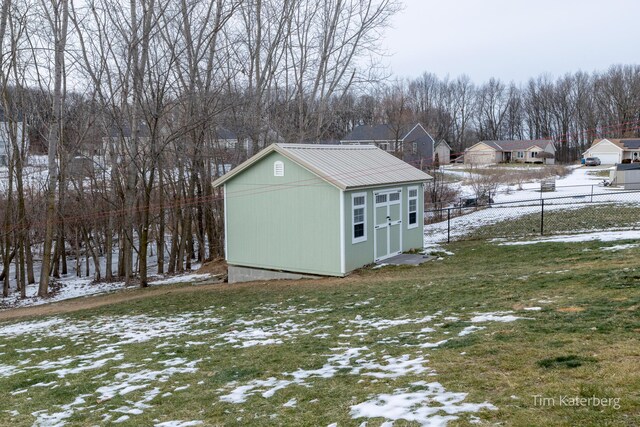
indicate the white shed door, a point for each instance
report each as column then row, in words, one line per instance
column 387, row 216
column 608, row 158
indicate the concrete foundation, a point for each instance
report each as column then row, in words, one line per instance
column 406, row 259
column 237, row 274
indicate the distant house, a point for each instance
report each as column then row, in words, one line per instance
column 80, row 167
column 442, row 152
column 612, row 151
column 6, row 148
column 228, row 140
column 412, row 142
column 118, row 136
column 520, row 151
column 295, row 209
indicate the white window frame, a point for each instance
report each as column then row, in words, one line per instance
column 519, row 154
column 417, row 199
column 534, row 154
column 362, row 238
column 277, row 172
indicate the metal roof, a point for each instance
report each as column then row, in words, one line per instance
column 627, row 166
column 344, row 166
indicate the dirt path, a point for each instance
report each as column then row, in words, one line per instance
column 77, row 304
column 84, row 303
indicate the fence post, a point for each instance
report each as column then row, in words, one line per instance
column 448, row 225
column 592, row 193
column 542, row 217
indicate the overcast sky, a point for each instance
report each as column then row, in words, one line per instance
column 512, row 39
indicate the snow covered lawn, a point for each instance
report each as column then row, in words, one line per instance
column 457, row 340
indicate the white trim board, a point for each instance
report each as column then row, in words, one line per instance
column 342, row 234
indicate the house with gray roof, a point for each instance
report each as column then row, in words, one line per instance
column 226, row 139
column 411, row 142
column 516, row 151
column 312, row 209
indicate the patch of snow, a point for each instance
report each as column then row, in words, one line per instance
column 184, row 278
column 620, row 247
column 44, row 418
column 381, row 324
column 292, row 403
column 126, row 382
column 423, row 406
column 498, row 316
column 395, row 367
column 433, row 344
column 470, row 329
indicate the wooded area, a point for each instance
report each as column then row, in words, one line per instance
column 144, row 91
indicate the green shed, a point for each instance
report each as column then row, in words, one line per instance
column 295, row 210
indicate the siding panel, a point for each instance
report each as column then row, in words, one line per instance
column 288, row 223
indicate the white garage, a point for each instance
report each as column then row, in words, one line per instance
column 481, row 154
column 607, row 158
column 608, row 152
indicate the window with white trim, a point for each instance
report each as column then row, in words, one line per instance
column 413, row 207
column 520, row 154
column 278, row 168
column 534, row 154
column 359, row 217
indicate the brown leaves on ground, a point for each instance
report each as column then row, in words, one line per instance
column 214, row 267
column 571, row 309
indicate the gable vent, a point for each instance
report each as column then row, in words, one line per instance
column 278, row 168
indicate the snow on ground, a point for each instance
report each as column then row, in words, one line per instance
column 602, row 236
column 74, row 287
column 101, row 345
column 498, row 316
column 417, row 405
column 620, row 247
column 423, row 403
column 579, row 181
column 572, row 192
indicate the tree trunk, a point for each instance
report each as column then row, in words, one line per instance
column 55, row 134
column 108, row 249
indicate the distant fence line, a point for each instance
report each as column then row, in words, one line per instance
column 545, row 216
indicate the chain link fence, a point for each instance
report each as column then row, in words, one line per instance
column 576, row 213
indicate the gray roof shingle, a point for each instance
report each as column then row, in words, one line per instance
column 512, row 145
column 384, row 132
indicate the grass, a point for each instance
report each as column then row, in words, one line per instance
column 583, row 342
column 600, row 173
